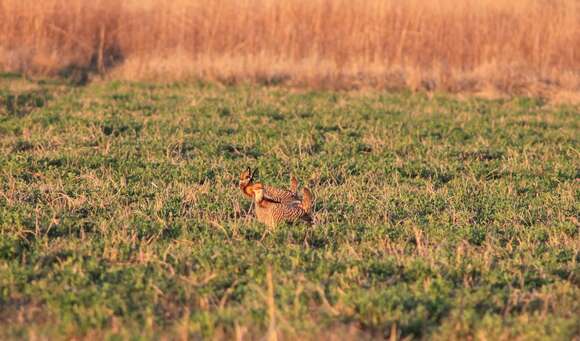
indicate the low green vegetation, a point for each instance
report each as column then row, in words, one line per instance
column 438, row 218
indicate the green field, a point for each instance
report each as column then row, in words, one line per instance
column 437, row 218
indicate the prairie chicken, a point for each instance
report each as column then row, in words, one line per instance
column 247, row 186
column 271, row 212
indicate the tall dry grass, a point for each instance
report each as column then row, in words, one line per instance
column 510, row 46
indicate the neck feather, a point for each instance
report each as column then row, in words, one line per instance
column 247, row 189
column 259, row 196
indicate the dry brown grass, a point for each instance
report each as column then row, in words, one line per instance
column 521, row 46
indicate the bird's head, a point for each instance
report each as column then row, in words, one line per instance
column 246, row 177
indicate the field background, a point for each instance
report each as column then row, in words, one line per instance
column 120, row 214
column 440, row 138
column 489, row 47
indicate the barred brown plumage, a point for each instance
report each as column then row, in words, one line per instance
column 275, row 194
column 272, row 213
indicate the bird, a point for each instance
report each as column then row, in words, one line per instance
column 272, row 213
column 247, row 186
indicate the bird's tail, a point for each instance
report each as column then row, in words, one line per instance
column 307, row 200
column 293, row 184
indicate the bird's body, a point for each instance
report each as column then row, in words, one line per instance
column 272, row 213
